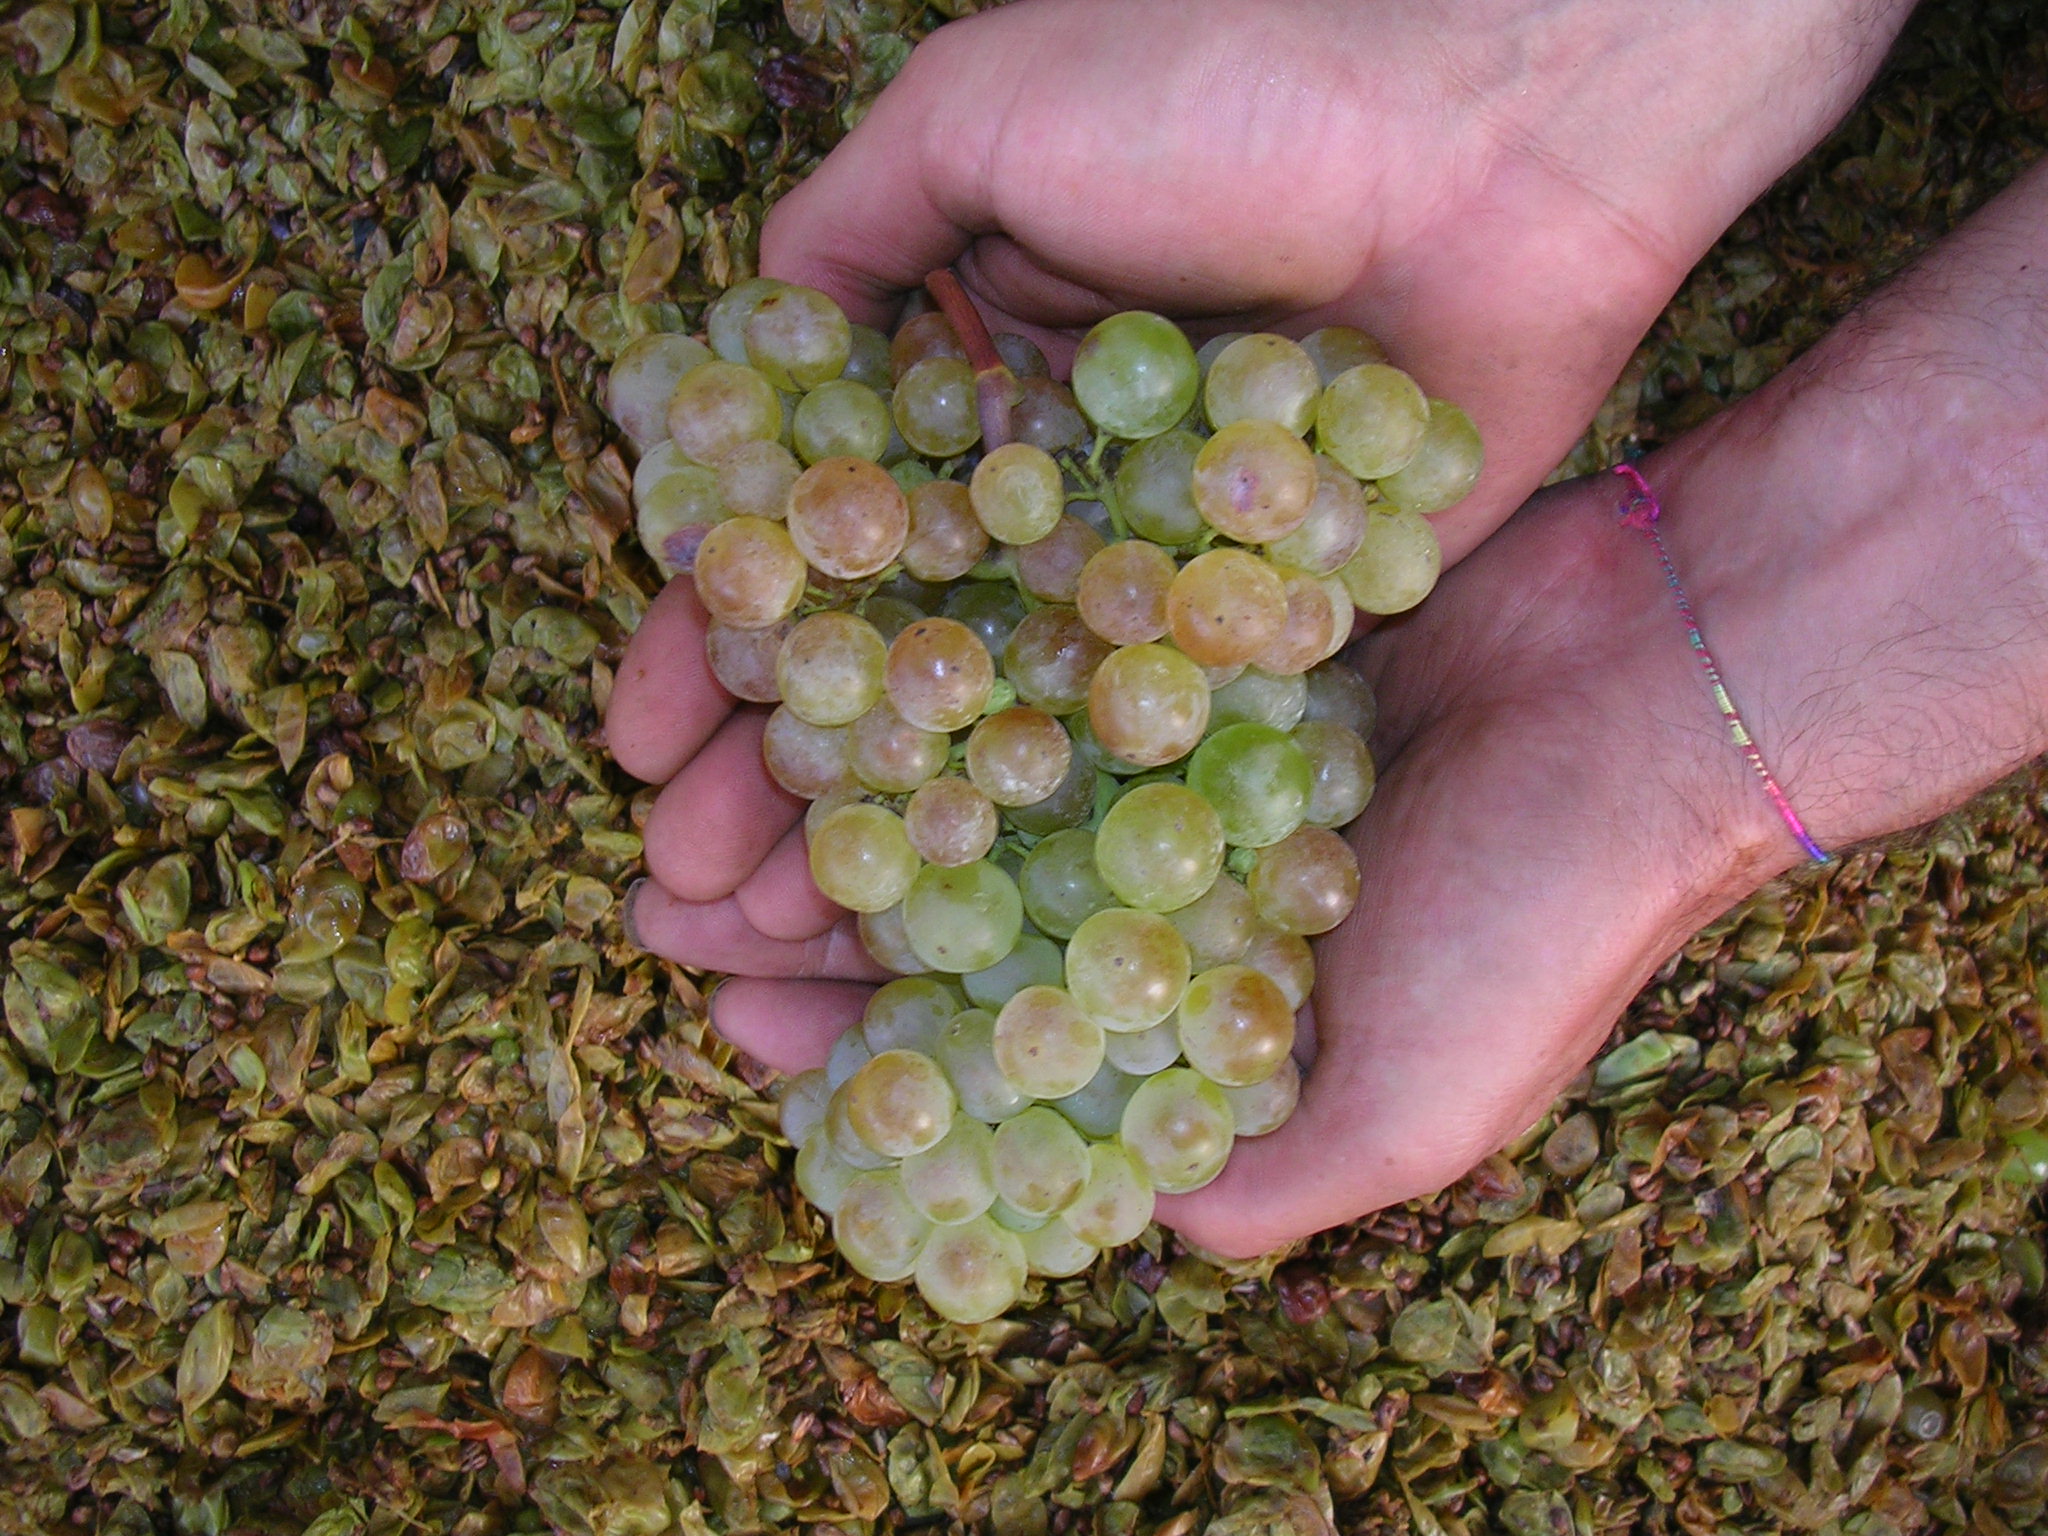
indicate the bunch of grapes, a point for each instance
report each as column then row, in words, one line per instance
column 1055, row 668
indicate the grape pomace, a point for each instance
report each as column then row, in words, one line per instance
column 1135, row 375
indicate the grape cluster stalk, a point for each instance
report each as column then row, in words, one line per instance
column 1056, row 668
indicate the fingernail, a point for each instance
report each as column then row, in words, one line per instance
column 626, row 913
column 712, row 989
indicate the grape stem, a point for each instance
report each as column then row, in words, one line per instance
column 995, row 387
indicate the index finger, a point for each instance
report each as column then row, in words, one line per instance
column 665, row 703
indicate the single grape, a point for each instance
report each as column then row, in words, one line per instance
column 1286, row 959
column 848, row 517
column 1121, row 593
column 1371, row 420
column 1264, row 1106
column 971, row 1272
column 1068, row 806
column 838, row 1129
column 939, row 675
column 1225, row 607
column 1034, row 961
column 862, row 859
column 1018, row 756
column 1261, row 698
column 1060, row 885
column 748, row 572
column 879, row 1232
column 801, row 1107
column 967, row 1052
column 1050, row 568
column 1262, row 377
column 900, row 1103
column 1235, row 1026
column 1127, row 969
column 754, row 479
column 946, row 539
column 1047, row 416
column 950, row 822
column 1177, row 1129
column 930, row 334
column 725, row 318
column 962, row 919
column 717, row 406
column 643, row 377
column 822, row 1174
column 1147, row 704
column 1444, row 468
column 833, row 799
column 807, row 760
column 1337, row 349
column 1307, row 883
column 1135, row 375
column 935, row 408
column 1147, row 1051
column 1336, row 693
column 1098, row 1108
column 1218, row 926
column 1315, row 625
column 1343, row 615
column 743, row 660
column 954, row 1180
column 829, row 670
column 1161, row 845
column 797, row 337
column 1115, row 1204
column 1044, row 1044
column 867, row 358
column 991, row 609
column 675, row 503
column 1017, row 492
column 1021, row 355
column 909, row 1014
column 841, row 418
column 1334, row 527
column 1054, row 1252
column 1254, row 481
column 882, row 936
column 1256, row 778
column 1040, row 1161
column 1340, row 772
column 889, row 754
column 1395, row 566
column 1052, row 659
column 1155, row 488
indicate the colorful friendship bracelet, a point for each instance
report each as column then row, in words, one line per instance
column 1641, row 512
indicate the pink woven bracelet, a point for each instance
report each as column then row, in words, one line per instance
column 1641, row 512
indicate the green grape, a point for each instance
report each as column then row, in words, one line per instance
column 1318, row 622
column 1225, row 607
column 829, row 670
column 1098, row 1108
column 1371, row 420
column 717, row 406
column 1115, row 1204
column 1444, row 468
column 935, row 408
column 1155, row 488
column 1018, row 756
column 950, row 822
column 1040, row 1161
column 971, row 1272
column 892, row 614
column 1262, row 378
column 1127, row 969
column 882, row 936
column 1034, row 961
column 1218, row 927
column 867, row 357
column 1044, row 1045
column 1017, row 493
column 939, row 675
column 899, row 1102
column 1340, row 770
column 754, row 479
column 1047, row 416
column 1177, row 1130
column 1254, row 481
column 862, row 859
column 675, row 503
column 1235, row 1026
column 1121, row 593
column 1343, row 615
column 923, row 336
column 1260, row 698
column 1147, row 704
column 1147, row 1051
column 1307, row 883
column 748, row 573
column 1135, row 375
column 991, row 609
column 889, row 754
column 1053, row 1251
column 725, row 318
column 797, row 337
column 1050, row 568
column 1068, row 806
column 1207, row 353
column 879, row 1232
column 822, row 1174
column 1161, row 845
column 849, row 1053
column 1060, row 884
column 967, row 1052
column 1020, row 354
column 643, row 376
column 807, row 760
column 847, row 1145
column 833, row 799
column 1395, row 566
column 1286, row 959
column 1256, row 778
column 1264, row 1106
column 841, row 418
column 1338, row 349
column 963, row 919
column 1336, row 693
column 848, row 517
column 801, row 1108
column 946, row 538
column 1334, row 527
column 909, row 1014
column 1052, row 658
column 954, row 1180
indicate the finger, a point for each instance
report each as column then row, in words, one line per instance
column 716, row 936
column 781, row 899
column 720, row 816
column 791, row 1025
column 665, row 703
